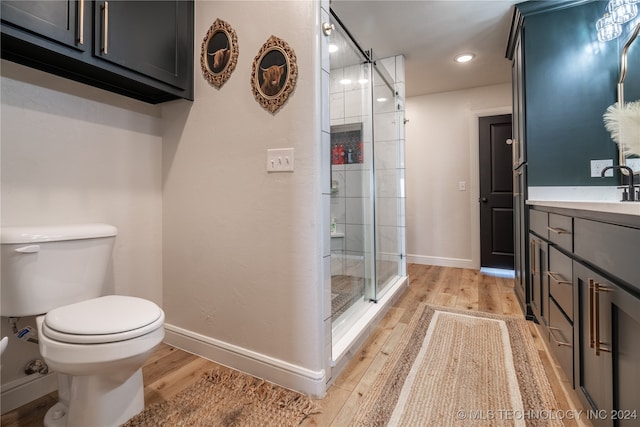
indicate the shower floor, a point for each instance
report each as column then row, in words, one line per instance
column 345, row 290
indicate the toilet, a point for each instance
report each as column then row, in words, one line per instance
column 96, row 343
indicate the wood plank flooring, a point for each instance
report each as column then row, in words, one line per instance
column 170, row 370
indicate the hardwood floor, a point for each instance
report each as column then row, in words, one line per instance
column 170, row 370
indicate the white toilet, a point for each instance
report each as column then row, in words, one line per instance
column 97, row 344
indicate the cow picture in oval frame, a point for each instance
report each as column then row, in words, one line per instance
column 274, row 74
column 219, row 53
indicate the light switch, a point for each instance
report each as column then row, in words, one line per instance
column 280, row 160
column 462, row 185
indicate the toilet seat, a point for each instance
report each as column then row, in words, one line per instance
column 106, row 319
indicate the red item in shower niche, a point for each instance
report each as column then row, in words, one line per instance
column 334, row 155
column 340, row 155
column 360, row 157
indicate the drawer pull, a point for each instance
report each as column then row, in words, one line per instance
column 555, row 340
column 557, row 277
column 557, row 230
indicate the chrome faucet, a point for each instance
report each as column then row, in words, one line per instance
column 630, row 188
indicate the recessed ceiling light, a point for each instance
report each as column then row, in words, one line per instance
column 464, row 57
column 345, row 81
column 363, row 81
column 333, row 48
column 381, row 99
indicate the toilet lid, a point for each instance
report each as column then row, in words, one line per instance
column 101, row 320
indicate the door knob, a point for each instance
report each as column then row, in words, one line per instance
column 483, row 199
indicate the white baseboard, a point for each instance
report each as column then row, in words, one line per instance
column 442, row 261
column 27, row 389
column 262, row 366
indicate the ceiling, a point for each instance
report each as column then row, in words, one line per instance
column 430, row 34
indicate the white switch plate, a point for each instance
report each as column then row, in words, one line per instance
column 633, row 164
column 598, row 165
column 462, row 185
column 280, row 160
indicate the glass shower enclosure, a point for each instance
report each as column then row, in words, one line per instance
column 367, row 181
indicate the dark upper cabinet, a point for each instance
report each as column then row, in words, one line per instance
column 140, row 49
column 60, row 21
column 148, row 37
column 563, row 82
column 516, row 53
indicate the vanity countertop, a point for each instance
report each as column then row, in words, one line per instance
column 627, row 208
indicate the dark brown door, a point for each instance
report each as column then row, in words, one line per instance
column 496, row 192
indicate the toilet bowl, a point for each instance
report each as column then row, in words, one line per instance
column 96, row 344
column 97, row 347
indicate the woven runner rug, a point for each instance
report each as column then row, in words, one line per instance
column 461, row 368
column 228, row 399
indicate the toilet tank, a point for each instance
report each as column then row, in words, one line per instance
column 46, row 267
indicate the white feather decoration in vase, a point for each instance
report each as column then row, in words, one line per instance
column 623, row 123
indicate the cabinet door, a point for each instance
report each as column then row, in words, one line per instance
column 608, row 370
column 625, row 320
column 517, row 80
column 539, row 281
column 520, row 241
column 149, row 37
column 62, row 21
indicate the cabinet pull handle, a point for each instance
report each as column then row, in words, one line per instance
column 558, row 230
column 557, row 277
column 591, row 313
column 81, row 22
column 533, row 257
column 597, row 288
column 105, row 28
column 555, row 340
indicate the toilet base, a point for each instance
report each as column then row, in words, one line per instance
column 97, row 401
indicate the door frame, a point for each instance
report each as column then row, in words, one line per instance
column 474, row 176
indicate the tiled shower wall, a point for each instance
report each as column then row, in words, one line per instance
column 350, row 194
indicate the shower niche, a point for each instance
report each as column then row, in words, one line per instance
column 346, row 144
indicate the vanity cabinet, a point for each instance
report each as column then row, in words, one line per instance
column 592, row 311
column 140, row 49
column 608, row 356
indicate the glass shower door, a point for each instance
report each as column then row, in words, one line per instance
column 352, row 241
column 388, row 162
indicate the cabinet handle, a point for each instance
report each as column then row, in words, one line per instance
column 597, row 288
column 591, row 313
column 81, row 22
column 558, row 230
column 533, row 257
column 555, row 340
column 557, row 277
column 105, row 28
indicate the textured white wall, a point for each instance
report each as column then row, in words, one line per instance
column 242, row 247
column 71, row 153
column 441, row 137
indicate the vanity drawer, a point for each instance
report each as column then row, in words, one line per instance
column 538, row 222
column 561, row 231
column 561, row 339
column 611, row 248
column 560, row 280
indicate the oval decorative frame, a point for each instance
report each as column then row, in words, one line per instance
column 219, row 53
column 274, row 74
